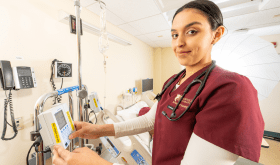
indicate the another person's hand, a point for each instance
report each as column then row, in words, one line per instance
column 80, row 156
column 87, row 131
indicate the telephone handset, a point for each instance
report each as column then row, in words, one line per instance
column 7, row 81
column 6, row 75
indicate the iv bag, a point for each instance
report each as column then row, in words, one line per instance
column 103, row 44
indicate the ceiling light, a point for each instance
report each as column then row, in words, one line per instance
column 220, row 1
column 241, row 6
column 160, row 2
column 64, row 17
column 240, row 31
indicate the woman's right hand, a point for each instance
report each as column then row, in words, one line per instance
column 87, row 131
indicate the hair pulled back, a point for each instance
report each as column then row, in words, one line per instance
column 208, row 9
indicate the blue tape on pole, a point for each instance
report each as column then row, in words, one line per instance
column 66, row 90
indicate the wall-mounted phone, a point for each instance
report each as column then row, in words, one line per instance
column 19, row 77
column 24, row 77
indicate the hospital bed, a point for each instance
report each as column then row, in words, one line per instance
column 128, row 144
column 132, row 150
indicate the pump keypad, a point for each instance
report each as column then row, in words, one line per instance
column 65, row 132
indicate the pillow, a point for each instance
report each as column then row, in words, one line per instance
column 136, row 107
column 127, row 116
column 132, row 112
column 143, row 111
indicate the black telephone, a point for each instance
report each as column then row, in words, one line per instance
column 6, row 75
column 18, row 77
column 7, row 81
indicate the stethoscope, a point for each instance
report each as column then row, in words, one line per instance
column 196, row 80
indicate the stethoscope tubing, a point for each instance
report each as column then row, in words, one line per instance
column 200, row 88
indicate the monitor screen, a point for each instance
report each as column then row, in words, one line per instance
column 147, row 85
column 60, row 119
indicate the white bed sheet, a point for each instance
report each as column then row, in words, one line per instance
column 130, row 113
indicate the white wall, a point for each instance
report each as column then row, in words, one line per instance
column 30, row 28
column 270, row 106
column 165, row 65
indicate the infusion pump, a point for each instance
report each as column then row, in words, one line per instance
column 56, row 126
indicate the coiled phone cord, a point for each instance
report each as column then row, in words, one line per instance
column 6, row 102
column 57, row 98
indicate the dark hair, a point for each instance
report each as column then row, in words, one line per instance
column 208, row 8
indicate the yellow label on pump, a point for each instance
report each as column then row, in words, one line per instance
column 70, row 120
column 95, row 102
column 55, row 132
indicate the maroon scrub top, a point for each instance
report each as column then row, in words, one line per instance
column 226, row 113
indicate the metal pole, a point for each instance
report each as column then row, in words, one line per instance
column 78, row 33
column 70, row 98
column 86, row 117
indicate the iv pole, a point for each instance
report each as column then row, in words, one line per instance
column 81, row 94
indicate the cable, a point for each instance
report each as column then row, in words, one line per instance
column 6, row 93
column 103, row 44
column 36, row 143
column 57, row 98
column 51, row 79
column 5, row 118
column 94, row 114
column 8, row 123
column 46, row 151
column 61, row 83
column 29, row 153
column 6, row 102
column 105, row 71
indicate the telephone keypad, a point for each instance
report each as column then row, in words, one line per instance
column 26, row 82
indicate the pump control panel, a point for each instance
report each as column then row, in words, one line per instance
column 56, row 126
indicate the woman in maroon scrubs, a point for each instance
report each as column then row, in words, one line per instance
column 224, row 115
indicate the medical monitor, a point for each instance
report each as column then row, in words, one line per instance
column 147, row 85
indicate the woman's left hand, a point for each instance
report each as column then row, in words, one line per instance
column 80, row 156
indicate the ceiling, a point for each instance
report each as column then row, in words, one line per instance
column 150, row 20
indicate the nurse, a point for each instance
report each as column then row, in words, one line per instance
column 222, row 123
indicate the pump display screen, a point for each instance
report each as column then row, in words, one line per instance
column 60, row 119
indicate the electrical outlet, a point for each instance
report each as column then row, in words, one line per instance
column 19, row 123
